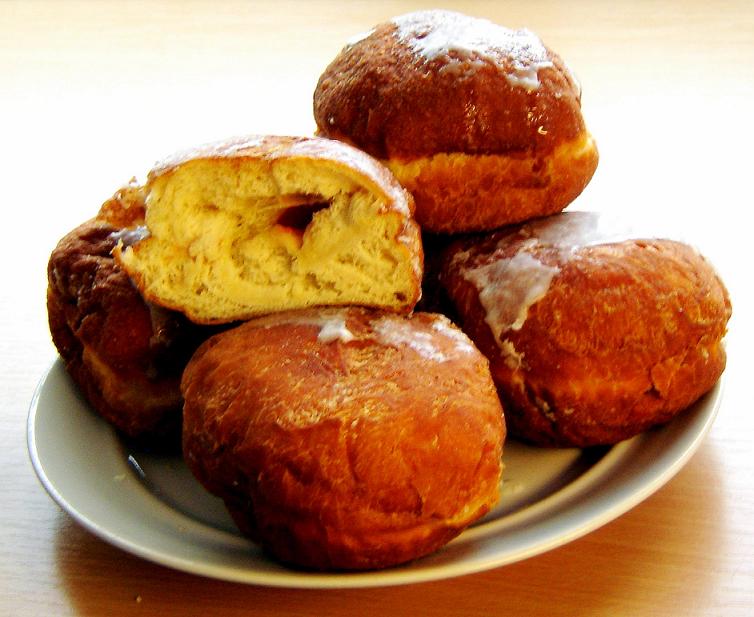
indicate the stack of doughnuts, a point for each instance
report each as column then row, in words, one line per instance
column 345, row 424
column 594, row 334
column 304, row 414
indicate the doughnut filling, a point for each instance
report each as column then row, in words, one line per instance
column 259, row 225
column 482, row 124
column 593, row 334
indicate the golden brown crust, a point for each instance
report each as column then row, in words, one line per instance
column 440, row 83
column 328, row 448
column 604, row 339
column 126, row 208
column 462, row 193
column 125, row 355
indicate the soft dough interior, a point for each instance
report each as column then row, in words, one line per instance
column 230, row 239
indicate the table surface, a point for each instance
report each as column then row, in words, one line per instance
column 93, row 93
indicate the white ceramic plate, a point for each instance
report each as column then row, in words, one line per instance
column 151, row 505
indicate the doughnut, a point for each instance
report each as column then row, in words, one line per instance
column 125, row 355
column 126, row 208
column 345, row 438
column 593, row 333
column 482, row 124
column 254, row 225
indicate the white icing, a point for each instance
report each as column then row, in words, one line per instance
column 357, row 38
column 512, row 357
column 238, row 144
column 335, row 330
column 396, row 332
column 508, row 288
column 575, row 230
column 462, row 342
column 332, row 324
column 466, row 43
column 526, row 76
column 129, row 237
column 457, row 69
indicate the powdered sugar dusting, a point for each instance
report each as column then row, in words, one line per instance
column 398, row 333
column 466, row 43
column 357, row 38
column 462, row 342
column 575, row 230
column 216, row 149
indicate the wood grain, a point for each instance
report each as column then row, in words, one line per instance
column 93, row 93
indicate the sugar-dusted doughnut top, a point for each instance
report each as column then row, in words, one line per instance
column 439, row 81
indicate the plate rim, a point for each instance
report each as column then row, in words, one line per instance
column 423, row 570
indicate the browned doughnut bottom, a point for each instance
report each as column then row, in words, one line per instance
column 345, row 438
column 471, row 192
column 593, row 335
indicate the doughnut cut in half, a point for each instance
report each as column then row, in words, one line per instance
column 345, row 438
column 263, row 224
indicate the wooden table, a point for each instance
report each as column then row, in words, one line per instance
column 92, row 93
